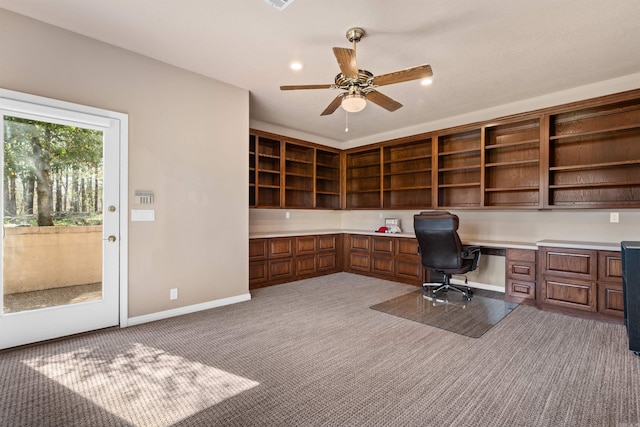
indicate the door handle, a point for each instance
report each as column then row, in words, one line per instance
column 111, row 238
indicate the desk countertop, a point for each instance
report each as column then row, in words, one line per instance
column 507, row 244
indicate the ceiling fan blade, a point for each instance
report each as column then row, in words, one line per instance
column 296, row 87
column 333, row 106
column 383, row 100
column 347, row 61
column 415, row 73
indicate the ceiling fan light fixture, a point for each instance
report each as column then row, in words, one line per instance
column 353, row 102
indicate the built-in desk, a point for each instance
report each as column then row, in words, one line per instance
column 579, row 278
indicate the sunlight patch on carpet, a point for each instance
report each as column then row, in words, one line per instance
column 159, row 389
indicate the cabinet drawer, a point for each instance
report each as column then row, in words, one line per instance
column 581, row 264
column 258, row 249
column 281, row 268
column 328, row 242
column 610, row 266
column 521, row 270
column 359, row 243
column 610, row 299
column 382, row 245
column 521, row 254
column 305, row 265
column 519, row 290
column 305, row 245
column 382, row 265
column 407, row 248
column 576, row 294
column 281, row 248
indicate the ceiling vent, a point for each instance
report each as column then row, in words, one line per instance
column 279, row 4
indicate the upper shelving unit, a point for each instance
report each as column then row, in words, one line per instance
column 512, row 164
column 580, row 155
column 459, row 167
column 594, row 156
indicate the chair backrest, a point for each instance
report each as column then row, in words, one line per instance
column 440, row 245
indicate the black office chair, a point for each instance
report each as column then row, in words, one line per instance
column 441, row 250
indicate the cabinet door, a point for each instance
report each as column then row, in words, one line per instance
column 382, row 265
column 407, row 248
column 258, row 272
column 327, row 262
column 409, row 269
column 305, row 245
column 328, row 242
column 359, row 261
column 258, row 249
column 359, row 243
column 281, row 269
column 570, row 293
column 305, row 265
column 610, row 299
column 610, row 266
column 382, row 245
column 281, row 247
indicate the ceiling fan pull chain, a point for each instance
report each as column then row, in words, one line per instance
column 346, row 121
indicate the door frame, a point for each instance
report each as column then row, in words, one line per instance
column 123, row 190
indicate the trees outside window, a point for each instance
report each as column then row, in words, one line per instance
column 52, row 173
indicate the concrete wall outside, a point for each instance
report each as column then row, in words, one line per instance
column 36, row 258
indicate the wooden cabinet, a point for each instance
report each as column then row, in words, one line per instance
column 284, row 173
column 459, row 169
column 407, row 174
column 582, row 280
column 594, row 156
column 363, row 186
column 569, row 278
column 521, row 275
column 284, row 259
column 512, row 164
column 579, row 155
column 385, row 257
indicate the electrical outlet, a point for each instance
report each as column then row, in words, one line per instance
column 173, row 293
column 614, row 217
column 287, row 215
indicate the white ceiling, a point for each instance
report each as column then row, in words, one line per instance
column 483, row 53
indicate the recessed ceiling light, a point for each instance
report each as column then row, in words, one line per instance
column 296, row 66
column 426, row 82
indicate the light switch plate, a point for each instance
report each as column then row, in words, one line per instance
column 143, row 215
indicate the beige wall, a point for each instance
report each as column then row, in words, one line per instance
column 523, row 226
column 187, row 143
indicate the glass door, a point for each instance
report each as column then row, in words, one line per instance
column 60, row 246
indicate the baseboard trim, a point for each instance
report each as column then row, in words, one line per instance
column 138, row 320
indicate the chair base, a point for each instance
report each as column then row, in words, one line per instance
column 445, row 286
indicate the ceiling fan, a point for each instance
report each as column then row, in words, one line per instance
column 361, row 85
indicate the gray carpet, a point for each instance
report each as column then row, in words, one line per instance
column 449, row 311
column 312, row 353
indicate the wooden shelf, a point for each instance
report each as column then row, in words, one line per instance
column 416, row 187
column 460, row 185
column 457, row 152
column 596, row 185
column 406, row 159
column 508, row 189
column 512, row 144
column 459, row 168
column 634, row 127
column 595, row 165
column 513, row 163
